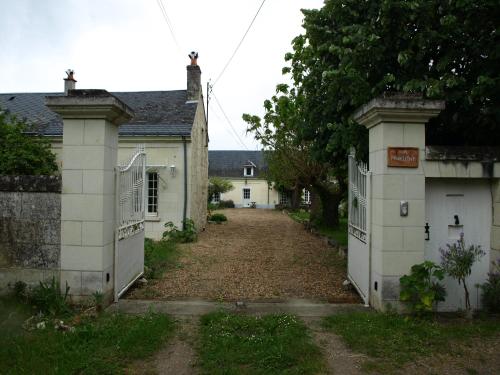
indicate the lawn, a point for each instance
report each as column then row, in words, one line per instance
column 339, row 233
column 273, row 344
column 103, row 344
column 394, row 340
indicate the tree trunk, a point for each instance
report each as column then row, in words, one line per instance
column 329, row 205
column 296, row 197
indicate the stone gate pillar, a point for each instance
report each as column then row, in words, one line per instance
column 396, row 153
column 90, row 143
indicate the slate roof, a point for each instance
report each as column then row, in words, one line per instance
column 231, row 163
column 156, row 112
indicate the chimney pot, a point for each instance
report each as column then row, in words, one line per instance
column 69, row 81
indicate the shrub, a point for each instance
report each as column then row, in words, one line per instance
column 491, row 290
column 457, row 260
column 226, row 204
column 188, row 234
column 48, row 298
column 420, row 290
column 218, row 218
column 212, row 206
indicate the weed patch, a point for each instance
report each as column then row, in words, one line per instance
column 395, row 340
column 158, row 257
column 273, row 344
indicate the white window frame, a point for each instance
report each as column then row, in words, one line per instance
column 152, row 189
column 245, row 170
column 306, row 194
column 216, row 197
column 284, row 199
column 249, row 192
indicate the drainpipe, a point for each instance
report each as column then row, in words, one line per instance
column 185, row 184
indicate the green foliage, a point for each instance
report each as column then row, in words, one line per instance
column 272, row 344
column 48, row 298
column 394, row 340
column 491, row 290
column 23, row 154
column 158, row 257
column 212, row 206
column 217, row 185
column 457, row 260
column 218, row 217
column 420, row 290
column 188, row 234
column 226, row 204
column 103, row 345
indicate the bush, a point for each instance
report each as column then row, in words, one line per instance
column 48, row 298
column 188, row 234
column 419, row 290
column 226, row 204
column 213, row 206
column 491, row 290
column 23, row 154
column 218, row 218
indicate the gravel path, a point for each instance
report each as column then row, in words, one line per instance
column 257, row 255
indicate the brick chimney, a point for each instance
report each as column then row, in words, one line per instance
column 69, row 81
column 193, row 78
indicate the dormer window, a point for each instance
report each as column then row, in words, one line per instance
column 248, row 168
column 248, row 171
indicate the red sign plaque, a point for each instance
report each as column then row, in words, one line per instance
column 403, row 157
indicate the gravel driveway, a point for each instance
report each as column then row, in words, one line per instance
column 258, row 255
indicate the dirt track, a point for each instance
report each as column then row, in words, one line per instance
column 256, row 255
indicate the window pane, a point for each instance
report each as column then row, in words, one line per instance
column 152, row 192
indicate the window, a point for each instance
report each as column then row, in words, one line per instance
column 306, row 196
column 284, row 201
column 152, row 193
column 216, row 198
column 248, row 171
column 246, row 193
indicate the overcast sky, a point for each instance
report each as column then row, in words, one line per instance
column 126, row 45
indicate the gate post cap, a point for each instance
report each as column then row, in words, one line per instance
column 90, row 104
column 398, row 108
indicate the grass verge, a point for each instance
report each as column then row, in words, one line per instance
column 105, row 344
column 158, row 257
column 273, row 344
column 395, row 340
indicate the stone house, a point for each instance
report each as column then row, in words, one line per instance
column 246, row 171
column 171, row 124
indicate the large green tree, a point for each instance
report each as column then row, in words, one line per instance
column 22, row 151
column 352, row 51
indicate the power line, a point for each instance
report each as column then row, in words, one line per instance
column 239, row 44
column 169, row 23
column 228, row 121
column 225, row 128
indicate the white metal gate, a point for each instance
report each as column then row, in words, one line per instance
column 358, row 261
column 130, row 213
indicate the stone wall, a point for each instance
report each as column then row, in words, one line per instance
column 30, row 229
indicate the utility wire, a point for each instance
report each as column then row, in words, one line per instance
column 228, row 121
column 239, row 44
column 225, row 128
column 169, row 23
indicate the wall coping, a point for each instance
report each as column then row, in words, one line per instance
column 462, row 153
column 90, row 104
column 397, row 109
column 40, row 184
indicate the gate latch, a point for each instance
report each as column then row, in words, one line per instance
column 427, row 233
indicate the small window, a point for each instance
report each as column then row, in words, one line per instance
column 152, row 193
column 306, row 197
column 284, row 201
column 248, row 171
column 216, row 198
column 246, row 193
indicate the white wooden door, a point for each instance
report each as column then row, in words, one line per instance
column 453, row 206
column 246, row 197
